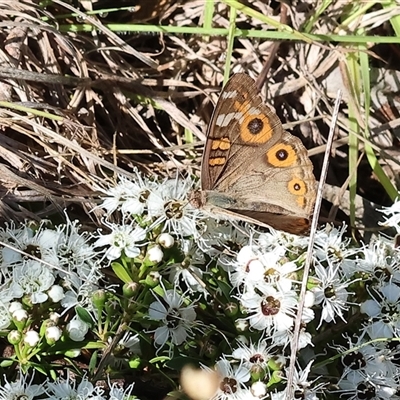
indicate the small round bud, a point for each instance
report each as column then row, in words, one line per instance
column 15, row 305
column 241, row 325
column 259, row 389
column 166, row 240
column 210, row 350
column 155, row 254
column 77, row 329
column 20, row 318
column 53, row 334
column 153, row 279
column 31, row 338
column 231, row 309
column 130, row 289
column 99, row 298
column 14, row 337
column 55, row 317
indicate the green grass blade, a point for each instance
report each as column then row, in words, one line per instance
column 371, row 156
column 230, row 39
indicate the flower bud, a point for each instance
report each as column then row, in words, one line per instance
column 259, row 389
column 20, row 318
column 231, row 309
column 14, row 337
column 153, row 279
column 241, row 325
column 130, row 289
column 31, row 338
column 52, row 334
column 77, row 329
column 99, row 298
column 15, row 305
column 166, row 240
column 155, row 254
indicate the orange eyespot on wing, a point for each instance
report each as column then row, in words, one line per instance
column 256, row 129
column 297, row 187
column 281, row 155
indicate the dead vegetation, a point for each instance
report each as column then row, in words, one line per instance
column 79, row 106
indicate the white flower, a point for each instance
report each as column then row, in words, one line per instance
column 177, row 319
column 40, row 244
column 77, row 329
column 222, row 235
column 382, row 261
column 331, row 292
column 272, row 310
column 284, row 338
column 74, row 251
column 119, row 393
column 169, row 206
column 368, row 368
column 254, row 267
column 362, row 387
column 33, row 279
column 31, row 338
column 233, row 379
column 393, row 212
column 129, row 195
column 190, row 274
column 80, row 290
column 68, row 389
column 131, row 342
column 247, row 269
column 20, row 389
column 274, row 239
column 365, row 360
column 302, row 386
column 254, row 355
column 329, row 243
column 123, row 238
column 189, row 270
column 384, row 312
column 5, row 314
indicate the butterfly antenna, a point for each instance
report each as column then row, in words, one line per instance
column 296, row 333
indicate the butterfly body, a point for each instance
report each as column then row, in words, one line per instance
column 252, row 169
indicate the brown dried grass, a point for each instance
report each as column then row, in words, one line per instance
column 97, row 104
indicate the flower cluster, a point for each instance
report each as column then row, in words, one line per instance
column 61, row 389
column 176, row 285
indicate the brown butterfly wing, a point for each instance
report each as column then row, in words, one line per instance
column 251, row 166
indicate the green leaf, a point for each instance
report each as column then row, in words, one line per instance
column 121, row 272
column 6, row 363
column 93, row 362
column 84, row 316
